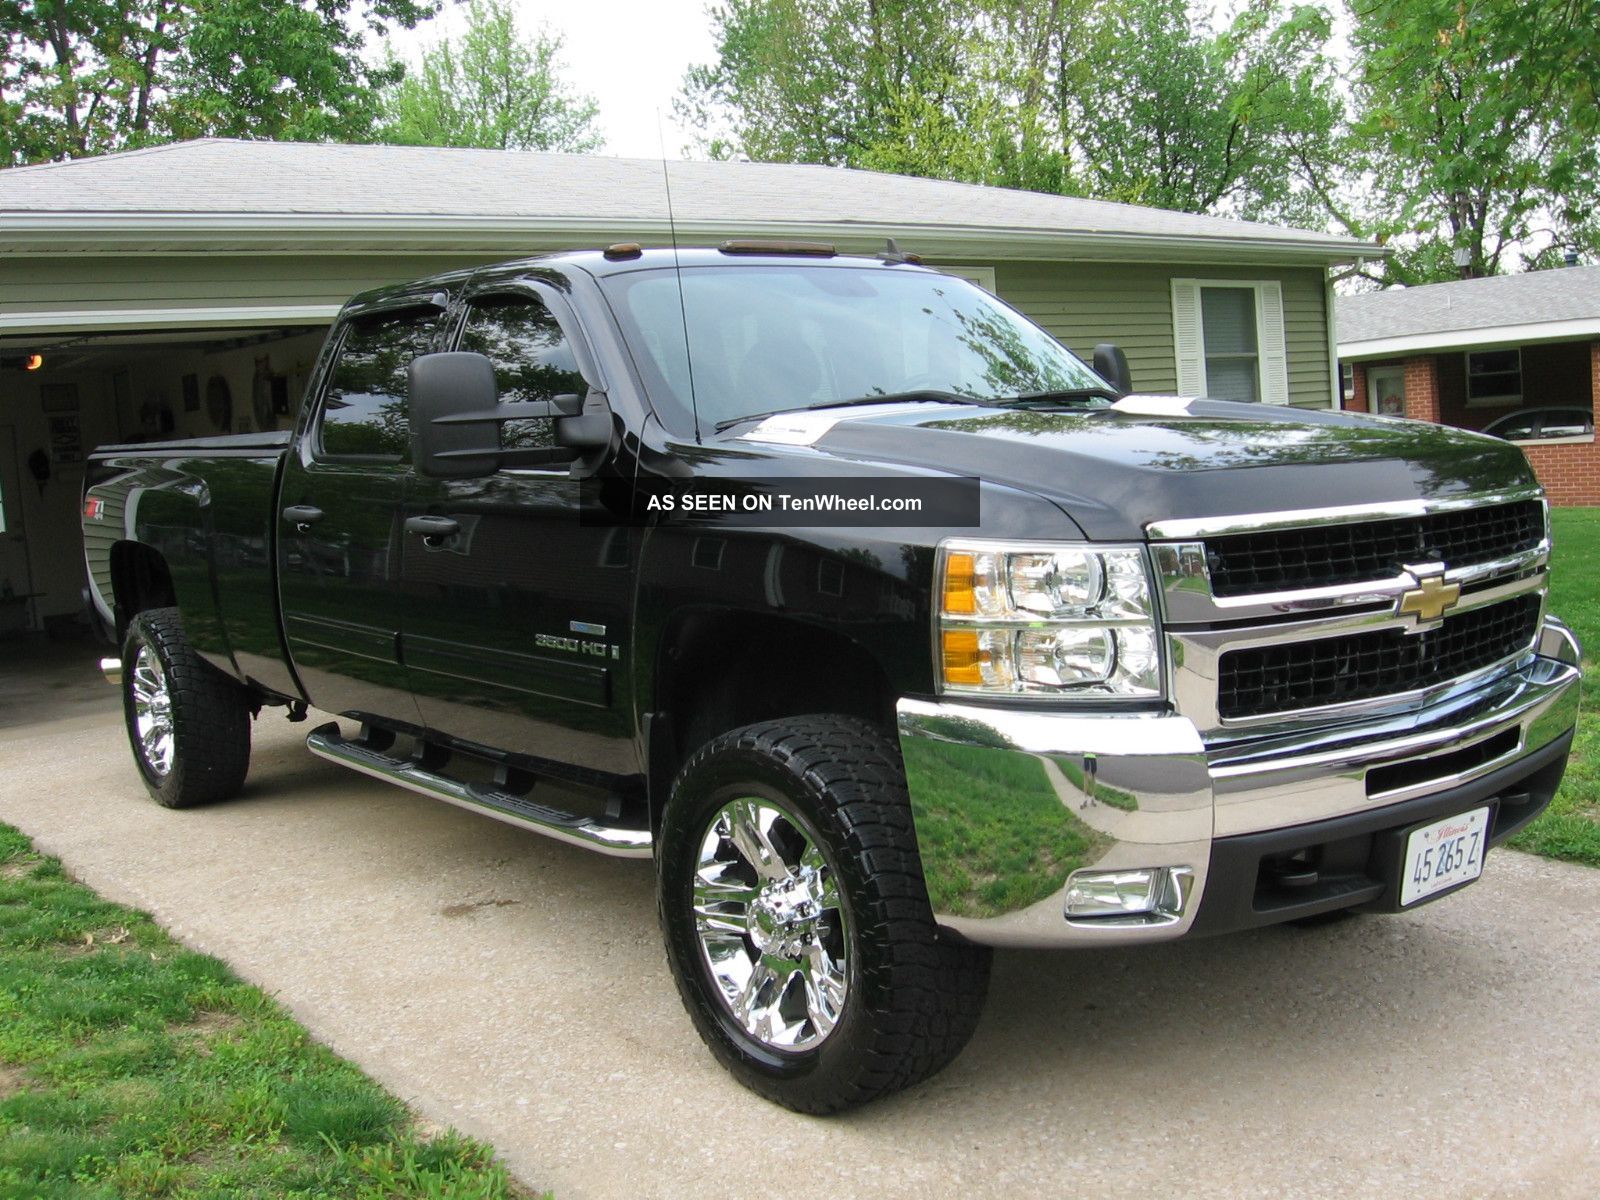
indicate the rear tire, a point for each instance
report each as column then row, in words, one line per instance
column 188, row 723
column 797, row 922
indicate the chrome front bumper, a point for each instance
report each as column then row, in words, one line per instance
column 1011, row 804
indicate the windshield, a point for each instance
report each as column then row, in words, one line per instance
column 769, row 338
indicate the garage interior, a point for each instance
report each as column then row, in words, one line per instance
column 62, row 395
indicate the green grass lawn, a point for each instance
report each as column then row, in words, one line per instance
column 1571, row 827
column 132, row 1067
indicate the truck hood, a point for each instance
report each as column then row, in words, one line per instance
column 1152, row 458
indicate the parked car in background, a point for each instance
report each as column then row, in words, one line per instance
column 1531, row 424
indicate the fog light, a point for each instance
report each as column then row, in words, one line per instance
column 1144, row 891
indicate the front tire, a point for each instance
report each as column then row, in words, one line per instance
column 796, row 919
column 188, row 723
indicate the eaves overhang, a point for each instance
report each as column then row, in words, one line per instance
column 1486, row 337
column 117, row 233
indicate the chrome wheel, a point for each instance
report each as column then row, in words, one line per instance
column 771, row 924
column 152, row 711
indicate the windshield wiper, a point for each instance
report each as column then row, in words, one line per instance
column 924, row 395
column 1059, row 396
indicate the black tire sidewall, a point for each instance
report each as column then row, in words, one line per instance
column 210, row 717
column 700, row 793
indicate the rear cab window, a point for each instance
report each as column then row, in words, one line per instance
column 363, row 413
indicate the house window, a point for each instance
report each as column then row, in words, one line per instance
column 1494, row 377
column 1228, row 339
column 982, row 276
column 1347, row 381
column 1228, row 323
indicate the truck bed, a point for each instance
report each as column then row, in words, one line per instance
column 208, row 506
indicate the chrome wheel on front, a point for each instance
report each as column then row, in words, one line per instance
column 771, row 924
column 152, row 711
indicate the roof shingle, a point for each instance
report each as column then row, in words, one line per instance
column 219, row 177
column 1535, row 297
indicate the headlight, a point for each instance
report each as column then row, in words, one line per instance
column 1046, row 620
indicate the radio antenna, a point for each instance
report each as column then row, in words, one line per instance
column 677, row 267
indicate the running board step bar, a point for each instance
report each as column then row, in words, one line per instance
column 327, row 742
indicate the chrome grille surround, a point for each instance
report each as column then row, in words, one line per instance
column 1200, row 626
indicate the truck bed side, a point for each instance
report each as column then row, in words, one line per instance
column 192, row 524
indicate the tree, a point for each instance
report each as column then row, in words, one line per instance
column 491, row 89
column 82, row 77
column 1480, row 123
column 1242, row 121
column 830, row 81
column 1121, row 99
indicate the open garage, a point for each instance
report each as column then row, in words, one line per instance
column 68, row 393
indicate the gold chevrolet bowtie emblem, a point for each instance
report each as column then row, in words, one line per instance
column 1429, row 600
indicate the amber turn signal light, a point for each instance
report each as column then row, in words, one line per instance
column 960, row 579
column 963, row 660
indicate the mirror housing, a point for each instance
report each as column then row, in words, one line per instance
column 456, row 416
column 1111, row 364
column 445, row 386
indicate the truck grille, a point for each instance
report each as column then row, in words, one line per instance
column 1363, row 666
column 1328, row 555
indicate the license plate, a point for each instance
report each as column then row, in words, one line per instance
column 1443, row 854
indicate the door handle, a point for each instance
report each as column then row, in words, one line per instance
column 302, row 516
column 433, row 529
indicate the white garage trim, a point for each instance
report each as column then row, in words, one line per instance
column 165, row 318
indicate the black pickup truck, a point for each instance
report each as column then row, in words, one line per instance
column 1019, row 659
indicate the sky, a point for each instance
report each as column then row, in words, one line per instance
column 630, row 55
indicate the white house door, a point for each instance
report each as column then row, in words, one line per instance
column 1386, row 391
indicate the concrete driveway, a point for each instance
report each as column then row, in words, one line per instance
column 516, row 988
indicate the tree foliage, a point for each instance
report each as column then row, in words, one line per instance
column 1243, row 121
column 1443, row 126
column 1124, row 99
column 1479, row 124
column 82, row 77
column 492, row 89
column 826, row 81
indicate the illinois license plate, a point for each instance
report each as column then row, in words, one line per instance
column 1443, row 854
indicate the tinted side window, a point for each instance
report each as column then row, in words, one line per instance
column 531, row 356
column 365, row 408
column 1517, row 427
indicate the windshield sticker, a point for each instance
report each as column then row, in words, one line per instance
column 807, row 428
column 1155, row 406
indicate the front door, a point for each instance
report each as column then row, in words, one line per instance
column 516, row 631
column 339, row 534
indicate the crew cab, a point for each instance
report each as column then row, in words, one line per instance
column 885, row 627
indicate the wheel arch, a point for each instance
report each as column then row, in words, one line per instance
column 140, row 579
column 718, row 669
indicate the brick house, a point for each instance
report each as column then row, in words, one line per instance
column 1474, row 352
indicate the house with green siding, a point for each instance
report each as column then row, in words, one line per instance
column 184, row 290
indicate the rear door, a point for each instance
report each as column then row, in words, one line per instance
column 339, row 535
column 517, row 622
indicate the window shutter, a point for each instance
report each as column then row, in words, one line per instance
column 1274, row 353
column 1187, row 341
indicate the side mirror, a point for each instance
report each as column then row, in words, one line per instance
column 443, row 388
column 1111, row 364
column 456, row 416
